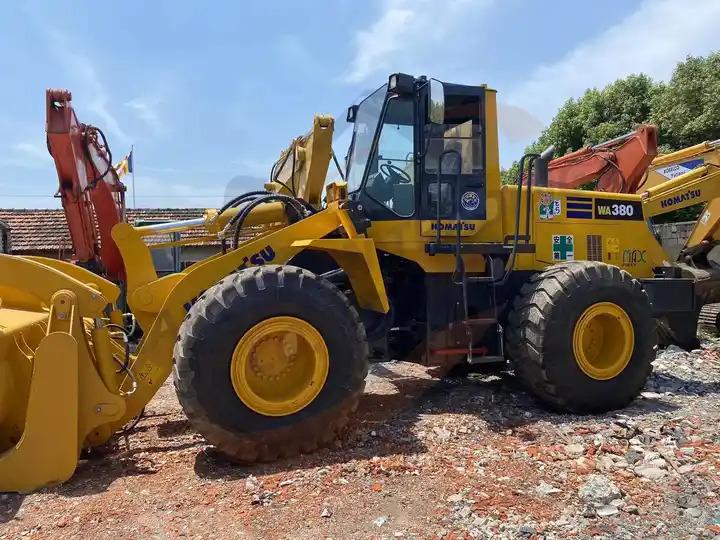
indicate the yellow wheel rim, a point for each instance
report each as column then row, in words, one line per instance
column 279, row 366
column 603, row 341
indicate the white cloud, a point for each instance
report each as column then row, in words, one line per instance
column 517, row 124
column 26, row 155
column 154, row 192
column 22, row 162
column 654, row 38
column 377, row 44
column 31, row 150
column 407, row 33
column 85, row 80
column 146, row 109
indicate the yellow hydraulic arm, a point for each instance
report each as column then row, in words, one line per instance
column 697, row 186
column 300, row 172
column 302, row 168
column 689, row 164
column 669, row 166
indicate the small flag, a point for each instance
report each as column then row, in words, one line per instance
column 125, row 166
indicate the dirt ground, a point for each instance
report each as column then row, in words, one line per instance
column 470, row 457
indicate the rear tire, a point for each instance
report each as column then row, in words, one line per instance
column 207, row 341
column 542, row 325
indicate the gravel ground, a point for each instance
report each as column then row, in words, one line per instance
column 427, row 458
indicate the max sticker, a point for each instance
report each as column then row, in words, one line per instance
column 549, row 207
column 633, row 257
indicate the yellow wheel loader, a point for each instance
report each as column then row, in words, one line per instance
column 419, row 253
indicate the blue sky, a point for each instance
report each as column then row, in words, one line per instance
column 211, row 91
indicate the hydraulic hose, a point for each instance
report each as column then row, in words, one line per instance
column 86, row 135
column 237, row 221
column 240, row 198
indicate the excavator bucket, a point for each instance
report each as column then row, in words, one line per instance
column 53, row 400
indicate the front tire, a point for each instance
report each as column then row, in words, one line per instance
column 247, row 387
column 582, row 337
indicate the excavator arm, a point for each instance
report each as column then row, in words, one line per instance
column 618, row 165
column 92, row 195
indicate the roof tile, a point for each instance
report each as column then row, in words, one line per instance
column 46, row 229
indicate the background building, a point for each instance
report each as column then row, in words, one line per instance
column 44, row 232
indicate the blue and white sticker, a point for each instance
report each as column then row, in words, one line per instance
column 470, row 201
column 673, row 171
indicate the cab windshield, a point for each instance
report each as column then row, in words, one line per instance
column 366, row 122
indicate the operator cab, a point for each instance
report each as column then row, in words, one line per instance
column 405, row 133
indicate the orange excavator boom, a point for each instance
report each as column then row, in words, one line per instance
column 92, row 195
column 619, row 165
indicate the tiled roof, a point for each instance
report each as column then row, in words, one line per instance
column 46, row 229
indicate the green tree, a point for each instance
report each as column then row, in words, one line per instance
column 687, row 110
column 597, row 116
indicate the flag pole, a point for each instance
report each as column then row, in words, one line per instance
column 132, row 156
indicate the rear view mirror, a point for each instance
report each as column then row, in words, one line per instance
column 352, row 113
column 436, row 102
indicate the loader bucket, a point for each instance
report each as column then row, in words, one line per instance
column 51, row 394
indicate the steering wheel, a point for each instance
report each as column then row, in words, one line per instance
column 395, row 173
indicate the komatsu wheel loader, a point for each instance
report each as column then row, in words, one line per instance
column 419, row 253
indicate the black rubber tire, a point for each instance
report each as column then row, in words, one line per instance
column 540, row 330
column 208, row 337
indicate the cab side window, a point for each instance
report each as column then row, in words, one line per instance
column 462, row 131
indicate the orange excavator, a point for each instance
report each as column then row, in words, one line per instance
column 619, row 165
column 92, row 195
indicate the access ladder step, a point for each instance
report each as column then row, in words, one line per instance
column 476, row 360
column 480, row 321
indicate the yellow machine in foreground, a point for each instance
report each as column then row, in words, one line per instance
column 420, row 253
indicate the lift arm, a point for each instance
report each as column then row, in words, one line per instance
column 302, row 168
column 668, row 166
column 697, row 186
column 695, row 162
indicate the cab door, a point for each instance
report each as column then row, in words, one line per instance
column 453, row 164
column 389, row 191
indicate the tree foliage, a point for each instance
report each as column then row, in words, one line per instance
column 686, row 111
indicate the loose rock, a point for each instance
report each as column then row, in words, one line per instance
column 647, row 471
column 599, row 489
